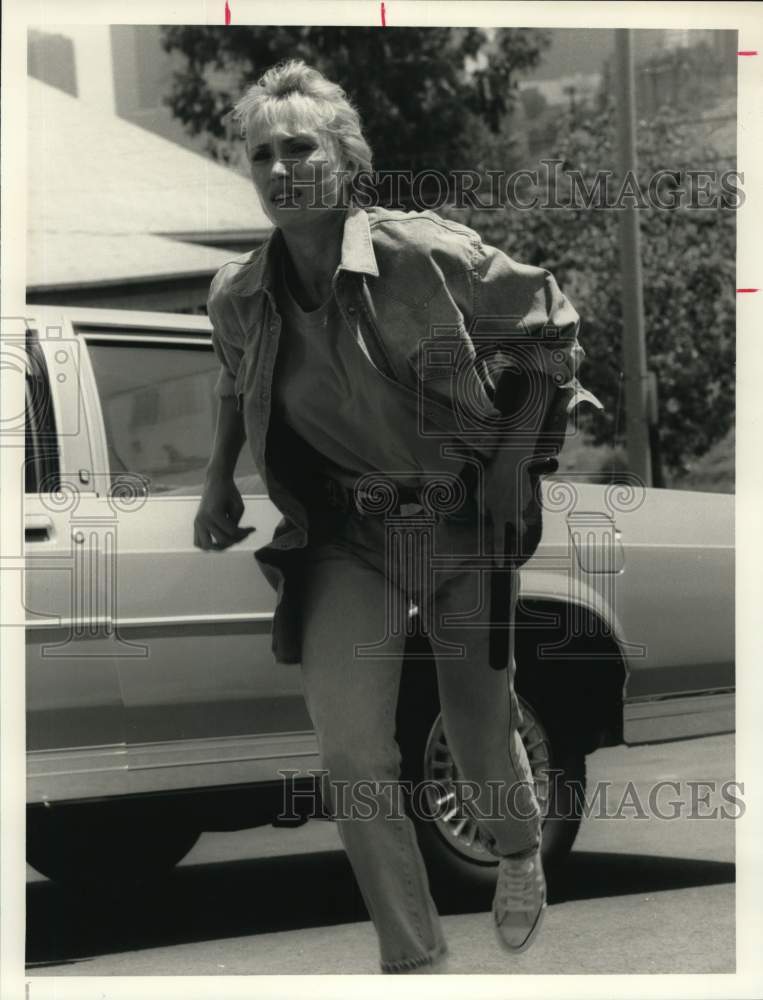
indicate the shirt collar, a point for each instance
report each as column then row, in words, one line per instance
column 357, row 255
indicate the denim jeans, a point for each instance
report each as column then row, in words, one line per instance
column 356, row 595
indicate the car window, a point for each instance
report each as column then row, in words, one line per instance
column 41, row 459
column 159, row 409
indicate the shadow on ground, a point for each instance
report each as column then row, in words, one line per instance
column 236, row 898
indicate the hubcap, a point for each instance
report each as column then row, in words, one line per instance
column 453, row 822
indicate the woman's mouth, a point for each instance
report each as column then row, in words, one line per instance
column 286, row 199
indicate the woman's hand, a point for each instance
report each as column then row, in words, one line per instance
column 216, row 524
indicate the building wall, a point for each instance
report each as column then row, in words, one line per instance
column 50, row 58
column 118, row 68
column 91, row 44
column 142, row 73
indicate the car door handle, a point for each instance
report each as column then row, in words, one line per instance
column 37, row 528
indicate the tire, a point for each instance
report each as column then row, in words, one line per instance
column 105, row 848
column 461, row 869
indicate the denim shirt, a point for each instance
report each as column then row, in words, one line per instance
column 442, row 315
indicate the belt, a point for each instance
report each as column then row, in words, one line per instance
column 328, row 493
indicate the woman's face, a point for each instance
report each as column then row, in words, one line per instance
column 297, row 172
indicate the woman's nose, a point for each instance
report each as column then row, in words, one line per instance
column 280, row 170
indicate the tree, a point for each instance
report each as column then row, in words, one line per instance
column 533, row 102
column 424, row 94
column 688, row 263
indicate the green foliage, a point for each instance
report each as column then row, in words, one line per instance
column 714, row 471
column 688, row 266
column 425, row 95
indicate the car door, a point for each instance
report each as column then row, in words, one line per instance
column 676, row 598
column 75, row 724
column 205, row 703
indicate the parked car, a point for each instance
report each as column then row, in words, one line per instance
column 155, row 710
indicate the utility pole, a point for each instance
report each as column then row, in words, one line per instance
column 637, row 393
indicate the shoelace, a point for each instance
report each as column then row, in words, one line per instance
column 516, row 889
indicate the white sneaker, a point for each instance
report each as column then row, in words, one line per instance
column 520, row 899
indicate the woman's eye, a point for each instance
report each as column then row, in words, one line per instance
column 298, row 149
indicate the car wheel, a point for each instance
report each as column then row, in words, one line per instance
column 106, row 848
column 460, row 866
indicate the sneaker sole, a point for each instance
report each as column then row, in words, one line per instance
column 517, row 949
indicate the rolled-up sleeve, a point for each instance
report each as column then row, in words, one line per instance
column 524, row 313
column 228, row 352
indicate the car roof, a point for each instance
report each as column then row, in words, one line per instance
column 122, row 319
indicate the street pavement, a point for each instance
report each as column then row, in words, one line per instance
column 638, row 895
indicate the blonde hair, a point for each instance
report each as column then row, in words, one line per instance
column 301, row 94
